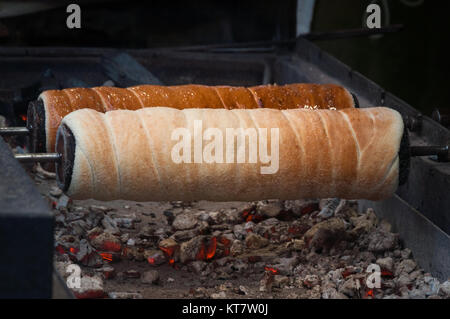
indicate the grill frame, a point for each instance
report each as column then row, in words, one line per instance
column 418, row 207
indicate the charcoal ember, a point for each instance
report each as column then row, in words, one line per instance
column 269, row 208
column 266, row 225
column 364, row 223
column 170, row 216
column 154, row 257
column 87, row 256
column 386, row 263
column 170, row 247
column 227, row 237
column 332, row 293
column 94, row 232
column 406, row 253
column 243, row 290
column 310, row 281
column 107, row 272
column 183, row 235
column 403, row 280
column 326, row 234
column 416, row 275
column 107, row 242
column 267, row 281
column 135, row 253
column 381, row 241
column 226, row 269
column 249, row 227
column 366, row 257
column 254, row 241
column 417, row 294
column 239, row 266
column 223, row 261
column 150, row 277
column 335, row 276
column 90, row 287
column 131, row 274
column 100, row 209
column 444, row 289
column 405, row 266
column 301, row 207
column 190, row 249
column 285, row 265
column 125, row 222
column 215, row 218
column 280, row 281
column 236, row 248
column 93, row 218
column 224, row 216
column 60, row 220
column 200, row 292
column 203, row 216
column 125, row 238
column 330, row 207
column 65, row 242
column 78, row 227
column 230, row 216
column 110, row 225
column 197, row 266
column 239, row 232
column 296, row 244
column 63, row 203
column 55, row 191
column 385, row 225
column 147, row 232
column 124, row 295
column 351, row 287
column 219, row 295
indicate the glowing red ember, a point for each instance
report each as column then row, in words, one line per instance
column 272, row 270
column 211, row 251
column 107, row 256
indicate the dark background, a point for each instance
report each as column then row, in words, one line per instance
column 413, row 64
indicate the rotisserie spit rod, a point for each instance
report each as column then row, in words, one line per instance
column 415, row 151
column 38, row 157
column 14, row 131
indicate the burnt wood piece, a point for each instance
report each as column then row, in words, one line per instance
column 26, row 233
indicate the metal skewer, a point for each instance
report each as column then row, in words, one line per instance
column 442, row 152
column 14, row 131
column 38, row 157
